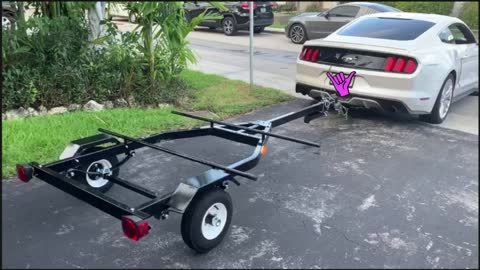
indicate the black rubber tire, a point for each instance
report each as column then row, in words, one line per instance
column 434, row 116
column 193, row 217
column 132, row 18
column 11, row 18
column 258, row 29
column 234, row 26
column 188, row 18
column 304, row 33
column 81, row 177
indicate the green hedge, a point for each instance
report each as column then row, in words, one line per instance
column 469, row 14
column 435, row 7
column 313, row 7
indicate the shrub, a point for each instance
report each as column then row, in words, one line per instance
column 37, row 68
column 313, row 7
column 469, row 14
column 49, row 61
column 288, row 7
column 443, row 8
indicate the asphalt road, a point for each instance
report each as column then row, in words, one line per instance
column 379, row 193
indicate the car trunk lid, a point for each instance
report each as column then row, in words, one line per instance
column 361, row 55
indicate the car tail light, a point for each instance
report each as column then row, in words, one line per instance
column 389, row 63
column 24, row 173
column 134, row 227
column 315, row 54
column 310, row 54
column 302, row 56
column 246, row 5
column 400, row 65
column 411, row 66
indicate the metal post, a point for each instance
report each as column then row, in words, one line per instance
column 251, row 44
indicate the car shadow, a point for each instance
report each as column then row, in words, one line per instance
column 218, row 30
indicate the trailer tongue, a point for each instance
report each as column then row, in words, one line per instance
column 88, row 169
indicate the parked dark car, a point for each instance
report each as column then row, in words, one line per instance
column 235, row 18
column 313, row 25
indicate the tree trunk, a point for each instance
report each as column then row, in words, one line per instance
column 95, row 16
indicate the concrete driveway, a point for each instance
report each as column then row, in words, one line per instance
column 379, row 193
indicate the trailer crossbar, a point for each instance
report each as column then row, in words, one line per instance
column 191, row 158
column 249, row 129
column 132, row 186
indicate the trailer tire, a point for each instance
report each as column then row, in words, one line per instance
column 206, row 220
column 106, row 161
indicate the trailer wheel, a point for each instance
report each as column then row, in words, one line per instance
column 206, row 220
column 97, row 182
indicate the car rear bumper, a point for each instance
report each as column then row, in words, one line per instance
column 380, row 104
column 258, row 22
column 391, row 92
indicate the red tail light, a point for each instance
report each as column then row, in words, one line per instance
column 24, row 173
column 310, row 54
column 134, row 227
column 302, row 56
column 390, row 63
column 315, row 54
column 400, row 65
column 411, row 66
column 247, row 5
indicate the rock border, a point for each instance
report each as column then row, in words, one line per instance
column 91, row 106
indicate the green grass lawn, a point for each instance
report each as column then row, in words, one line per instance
column 278, row 25
column 42, row 139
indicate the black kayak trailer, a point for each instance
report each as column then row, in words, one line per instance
column 88, row 168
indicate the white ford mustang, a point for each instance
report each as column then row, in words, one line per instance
column 404, row 62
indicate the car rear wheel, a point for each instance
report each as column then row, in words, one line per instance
column 258, row 29
column 443, row 102
column 297, row 34
column 8, row 22
column 229, row 26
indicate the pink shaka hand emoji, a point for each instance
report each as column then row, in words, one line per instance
column 340, row 83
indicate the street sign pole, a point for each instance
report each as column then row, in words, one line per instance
column 251, row 45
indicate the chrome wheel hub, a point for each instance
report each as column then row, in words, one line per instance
column 297, row 33
column 228, row 26
column 446, row 99
column 102, row 166
column 214, row 221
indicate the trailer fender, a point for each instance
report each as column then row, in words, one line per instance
column 82, row 144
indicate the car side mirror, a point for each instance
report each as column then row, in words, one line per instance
column 326, row 15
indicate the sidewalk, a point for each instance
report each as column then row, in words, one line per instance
column 275, row 30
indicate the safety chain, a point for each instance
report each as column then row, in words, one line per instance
column 330, row 100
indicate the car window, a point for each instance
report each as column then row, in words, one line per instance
column 461, row 34
column 386, row 28
column 446, row 36
column 344, row 11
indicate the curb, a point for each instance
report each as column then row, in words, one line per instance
column 274, row 30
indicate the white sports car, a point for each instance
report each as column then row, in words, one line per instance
column 404, row 62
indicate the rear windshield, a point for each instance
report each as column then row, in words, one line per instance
column 387, row 28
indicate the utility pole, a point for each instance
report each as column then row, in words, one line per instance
column 251, row 44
